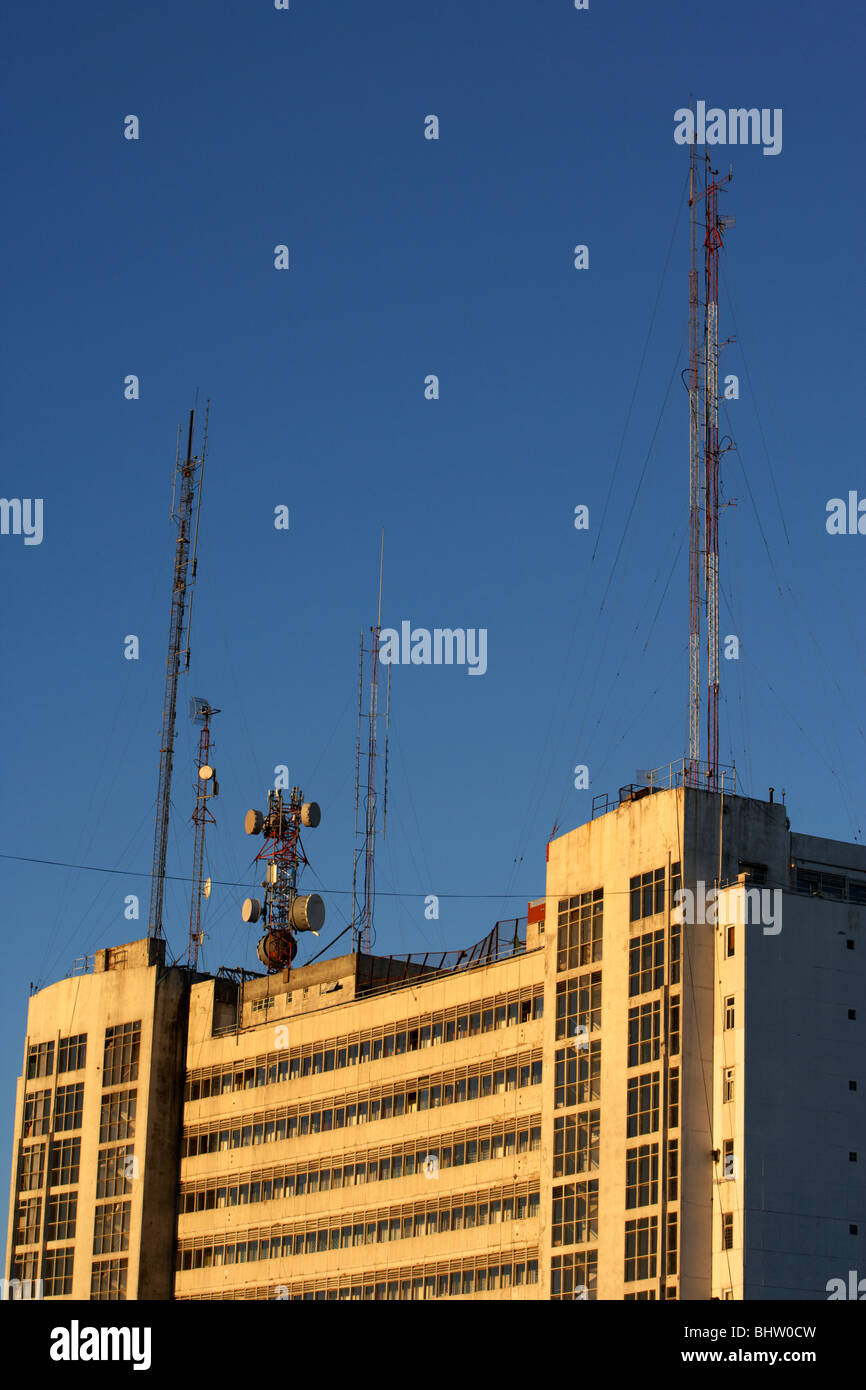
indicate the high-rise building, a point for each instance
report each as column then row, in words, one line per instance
column 645, row 1094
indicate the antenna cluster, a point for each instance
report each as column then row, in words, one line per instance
column 284, row 910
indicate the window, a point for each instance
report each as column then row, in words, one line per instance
column 727, row 1084
column 575, row 1213
column 641, row 1245
column 730, row 1013
column 727, row 1230
column 37, row 1114
column 671, row 1253
column 574, row 1275
column 28, row 1220
column 643, row 1033
column 674, row 1098
column 646, row 894
column 65, row 1161
column 117, row 1116
column 674, row 1026
column 642, row 1176
column 673, row 1169
column 72, row 1053
column 578, row 1005
column 120, row 1059
column 729, row 1162
column 676, row 939
column 575, row 1143
column 111, row 1228
column 579, row 933
column 114, row 1171
column 69, row 1106
column 40, row 1060
column 643, row 1104
column 730, row 942
column 108, row 1279
column 26, row 1265
column 57, row 1273
column 32, row 1167
column 646, row 962
column 61, row 1216
column 578, row 1075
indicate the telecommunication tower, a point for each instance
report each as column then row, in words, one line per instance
column 362, row 918
column 703, row 386
column 693, row 776
column 715, row 226
column 206, row 789
column 284, row 910
column 186, row 501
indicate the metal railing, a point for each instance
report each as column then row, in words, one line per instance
column 379, row 973
column 680, row 773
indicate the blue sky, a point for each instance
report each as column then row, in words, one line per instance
column 557, row 387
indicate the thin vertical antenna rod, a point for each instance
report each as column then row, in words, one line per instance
column 692, row 778
column 357, row 852
column 712, row 246
column 206, row 789
column 366, row 939
column 186, row 486
column 362, row 915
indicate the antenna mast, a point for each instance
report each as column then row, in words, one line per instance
column 363, row 924
column 186, row 491
column 206, row 789
column 693, row 776
column 715, row 225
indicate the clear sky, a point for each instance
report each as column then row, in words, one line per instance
column 557, row 387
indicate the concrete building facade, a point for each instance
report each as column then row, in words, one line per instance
column 654, row 1091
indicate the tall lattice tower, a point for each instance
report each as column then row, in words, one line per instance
column 185, row 512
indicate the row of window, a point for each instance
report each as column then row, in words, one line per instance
column 412, row 1221
column 450, row 1025
column 644, row 1031
column 578, row 1005
column 642, row 1102
column 68, row 1110
column 444, row 1279
column 108, row 1280
column 830, row 885
column 402, row 1097
column 580, row 930
column 577, row 1075
column 65, row 1163
column 642, row 1175
column 71, row 1056
column 427, row 1156
column 574, row 1219
column 575, row 1142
